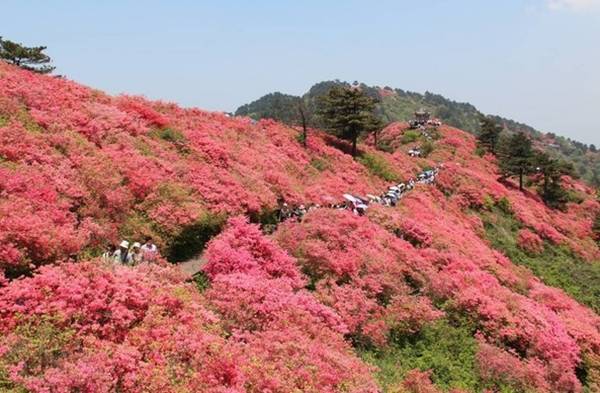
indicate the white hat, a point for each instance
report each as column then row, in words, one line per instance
column 124, row 244
column 136, row 245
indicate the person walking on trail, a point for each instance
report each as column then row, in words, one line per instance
column 149, row 250
column 122, row 255
column 136, row 253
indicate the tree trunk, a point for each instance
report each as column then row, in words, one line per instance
column 354, row 146
column 375, row 138
column 303, row 119
column 520, row 179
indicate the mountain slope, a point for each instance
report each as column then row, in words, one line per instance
column 467, row 284
column 399, row 105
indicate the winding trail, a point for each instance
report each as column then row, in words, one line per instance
column 193, row 266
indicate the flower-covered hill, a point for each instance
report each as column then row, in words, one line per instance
column 79, row 168
column 468, row 284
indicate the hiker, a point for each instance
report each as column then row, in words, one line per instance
column 136, row 254
column 122, row 255
column 149, row 251
column 108, row 254
column 284, row 212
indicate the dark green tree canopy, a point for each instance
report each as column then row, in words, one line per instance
column 32, row 59
column 348, row 112
column 516, row 156
column 489, row 133
column 552, row 170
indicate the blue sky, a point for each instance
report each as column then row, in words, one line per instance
column 535, row 61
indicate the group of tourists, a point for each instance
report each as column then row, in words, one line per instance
column 359, row 204
column 131, row 255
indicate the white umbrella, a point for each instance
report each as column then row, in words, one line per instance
column 349, row 197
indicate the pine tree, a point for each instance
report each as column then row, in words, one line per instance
column 552, row 170
column 489, row 134
column 516, row 156
column 32, row 59
column 303, row 117
column 347, row 113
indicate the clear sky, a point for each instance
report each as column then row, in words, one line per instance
column 536, row 61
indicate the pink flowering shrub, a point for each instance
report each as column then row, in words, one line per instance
column 357, row 269
column 86, row 327
column 242, row 248
column 530, row 241
column 256, row 290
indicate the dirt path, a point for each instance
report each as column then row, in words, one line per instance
column 192, row 266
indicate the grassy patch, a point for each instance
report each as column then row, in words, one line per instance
column 409, row 136
column 557, row 265
column 379, row 167
column 447, row 349
column 320, row 164
column 168, row 134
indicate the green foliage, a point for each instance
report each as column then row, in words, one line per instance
column 3, row 121
column 400, row 105
column 348, row 113
column 446, row 348
column 28, row 58
column 409, row 137
column 426, row 149
column 168, row 134
column 489, row 133
column 190, row 241
column 552, row 170
column 378, row 166
column 278, row 106
column 516, row 156
column 556, row 266
column 320, row 164
column 201, row 281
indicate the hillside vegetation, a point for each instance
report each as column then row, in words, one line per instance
column 399, row 105
column 450, row 290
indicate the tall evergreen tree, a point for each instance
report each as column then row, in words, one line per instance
column 516, row 156
column 32, row 59
column 303, row 117
column 347, row 113
column 552, row 170
column 489, row 133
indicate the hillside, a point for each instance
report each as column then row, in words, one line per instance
column 467, row 285
column 399, row 105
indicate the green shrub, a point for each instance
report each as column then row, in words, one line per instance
column 409, row 136
column 556, row 266
column 168, row 134
column 190, row 241
column 201, row 281
column 446, row 348
column 426, row 149
column 504, row 205
column 320, row 164
column 379, row 167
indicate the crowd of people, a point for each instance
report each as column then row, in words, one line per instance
column 359, row 204
column 124, row 254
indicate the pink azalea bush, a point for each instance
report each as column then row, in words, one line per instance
column 256, row 290
column 530, row 241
